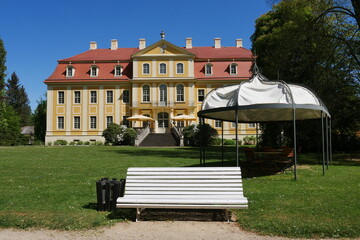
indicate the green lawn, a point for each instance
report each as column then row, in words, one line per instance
column 54, row 187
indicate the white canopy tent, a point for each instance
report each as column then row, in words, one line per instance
column 260, row 100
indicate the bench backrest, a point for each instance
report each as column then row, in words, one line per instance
column 183, row 181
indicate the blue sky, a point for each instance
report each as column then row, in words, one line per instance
column 37, row 33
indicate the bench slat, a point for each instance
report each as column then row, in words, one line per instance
column 182, row 173
column 177, row 192
column 186, row 201
column 205, row 181
column 177, row 169
column 186, row 206
column 184, row 177
column 219, row 196
column 191, row 185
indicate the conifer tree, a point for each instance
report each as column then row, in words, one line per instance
column 40, row 120
column 17, row 97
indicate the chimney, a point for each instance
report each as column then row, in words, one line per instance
column 142, row 43
column 239, row 42
column 188, row 42
column 93, row 45
column 217, row 43
column 114, row 44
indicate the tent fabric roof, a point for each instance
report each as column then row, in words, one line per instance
column 261, row 100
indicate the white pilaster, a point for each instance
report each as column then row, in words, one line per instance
column 85, row 104
column 171, row 94
column 101, row 115
column 117, row 104
column 191, row 94
column 49, row 110
column 154, row 68
column 135, row 68
column 68, row 107
column 134, row 94
column 153, row 94
column 171, row 68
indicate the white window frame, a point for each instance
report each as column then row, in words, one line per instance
column 93, row 122
column 180, row 96
column 209, row 66
column 93, row 100
column 232, row 66
column 146, row 93
column 160, row 68
column 218, row 123
column 77, row 99
column 61, row 124
column 177, row 68
column 148, row 69
column 203, row 95
column 116, row 73
column 70, row 71
column 109, row 97
column 92, row 71
column 77, row 122
column 61, row 97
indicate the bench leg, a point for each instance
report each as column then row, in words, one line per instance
column 138, row 213
column 227, row 215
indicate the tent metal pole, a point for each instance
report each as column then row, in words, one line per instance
column 327, row 143
column 200, row 150
column 295, row 145
column 222, row 143
column 323, row 142
column 330, row 141
column 237, row 138
column 257, row 135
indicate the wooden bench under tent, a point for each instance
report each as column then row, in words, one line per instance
column 183, row 188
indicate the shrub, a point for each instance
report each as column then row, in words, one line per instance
column 72, row 143
column 202, row 134
column 80, row 143
column 249, row 140
column 49, row 143
column 229, row 142
column 114, row 134
column 99, row 143
column 60, row 142
column 87, row 143
column 129, row 137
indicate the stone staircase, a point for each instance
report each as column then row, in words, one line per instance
column 159, row 140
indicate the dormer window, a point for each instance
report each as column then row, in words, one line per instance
column 118, row 71
column 233, row 69
column 208, row 69
column 94, row 71
column 70, row 71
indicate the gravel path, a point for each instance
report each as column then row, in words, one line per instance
column 159, row 230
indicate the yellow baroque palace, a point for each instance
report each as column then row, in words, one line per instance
column 90, row 90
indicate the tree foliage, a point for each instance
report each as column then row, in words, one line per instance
column 17, row 97
column 300, row 42
column 40, row 120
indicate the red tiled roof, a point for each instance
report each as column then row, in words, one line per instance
column 106, row 59
column 218, row 53
column 120, row 54
column 123, row 54
column 82, row 72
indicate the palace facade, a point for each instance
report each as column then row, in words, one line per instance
column 90, row 90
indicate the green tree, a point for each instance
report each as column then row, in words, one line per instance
column 9, row 127
column 298, row 43
column 17, row 97
column 114, row 134
column 40, row 120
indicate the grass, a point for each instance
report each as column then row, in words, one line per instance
column 54, row 187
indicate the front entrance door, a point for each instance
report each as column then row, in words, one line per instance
column 163, row 122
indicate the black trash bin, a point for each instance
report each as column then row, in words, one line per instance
column 107, row 193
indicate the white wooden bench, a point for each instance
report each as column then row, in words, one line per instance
column 183, row 187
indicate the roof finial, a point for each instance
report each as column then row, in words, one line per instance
column 162, row 34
